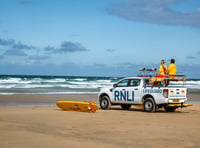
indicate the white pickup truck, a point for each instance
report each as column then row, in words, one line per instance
column 137, row 90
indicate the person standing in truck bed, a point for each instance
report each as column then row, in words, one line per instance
column 172, row 69
column 163, row 68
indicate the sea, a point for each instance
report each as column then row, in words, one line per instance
column 37, row 84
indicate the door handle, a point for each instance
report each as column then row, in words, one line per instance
column 136, row 89
column 123, row 89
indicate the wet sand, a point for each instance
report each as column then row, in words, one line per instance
column 41, row 100
column 49, row 100
column 22, row 127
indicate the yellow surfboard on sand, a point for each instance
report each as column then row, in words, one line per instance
column 78, row 106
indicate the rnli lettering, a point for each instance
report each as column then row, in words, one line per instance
column 123, row 96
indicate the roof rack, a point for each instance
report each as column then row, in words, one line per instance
column 143, row 72
column 178, row 77
column 155, row 78
column 165, row 79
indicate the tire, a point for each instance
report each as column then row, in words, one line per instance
column 169, row 109
column 149, row 105
column 126, row 106
column 105, row 102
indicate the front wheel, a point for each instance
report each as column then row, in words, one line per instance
column 149, row 105
column 105, row 102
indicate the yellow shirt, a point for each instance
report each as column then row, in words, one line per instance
column 161, row 70
column 172, row 70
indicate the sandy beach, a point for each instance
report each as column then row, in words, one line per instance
column 48, row 126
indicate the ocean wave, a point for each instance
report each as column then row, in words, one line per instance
column 99, row 82
column 193, row 82
column 189, row 84
column 53, row 81
column 33, row 86
column 7, row 86
column 79, row 79
column 10, row 80
column 53, row 84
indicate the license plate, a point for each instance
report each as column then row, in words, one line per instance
column 176, row 101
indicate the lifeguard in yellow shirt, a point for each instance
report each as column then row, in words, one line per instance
column 172, row 69
column 163, row 68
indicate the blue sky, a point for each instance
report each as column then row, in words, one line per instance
column 98, row 38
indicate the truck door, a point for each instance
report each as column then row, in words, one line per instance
column 121, row 92
column 127, row 91
column 134, row 85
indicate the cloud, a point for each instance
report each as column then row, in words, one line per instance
column 71, row 47
column 191, row 57
column 65, row 47
column 20, row 45
column 38, row 57
column 4, row 42
column 5, row 31
column 12, row 44
column 110, row 50
column 49, row 48
column 14, row 52
column 155, row 12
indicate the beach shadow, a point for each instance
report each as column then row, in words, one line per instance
column 132, row 109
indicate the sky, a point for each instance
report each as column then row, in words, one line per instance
column 98, row 37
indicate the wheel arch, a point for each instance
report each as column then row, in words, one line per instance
column 147, row 96
column 103, row 94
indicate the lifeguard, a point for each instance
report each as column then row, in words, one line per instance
column 172, row 69
column 163, row 68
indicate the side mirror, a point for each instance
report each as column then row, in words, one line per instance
column 114, row 85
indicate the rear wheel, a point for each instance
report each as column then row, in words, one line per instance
column 105, row 102
column 126, row 106
column 149, row 105
column 169, row 108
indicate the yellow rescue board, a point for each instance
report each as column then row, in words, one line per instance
column 77, row 106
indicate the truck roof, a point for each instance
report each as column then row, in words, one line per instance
column 135, row 78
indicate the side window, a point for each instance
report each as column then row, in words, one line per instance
column 123, row 83
column 134, row 82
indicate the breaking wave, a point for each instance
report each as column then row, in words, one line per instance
column 64, row 84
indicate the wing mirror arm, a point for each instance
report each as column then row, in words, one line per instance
column 114, row 85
